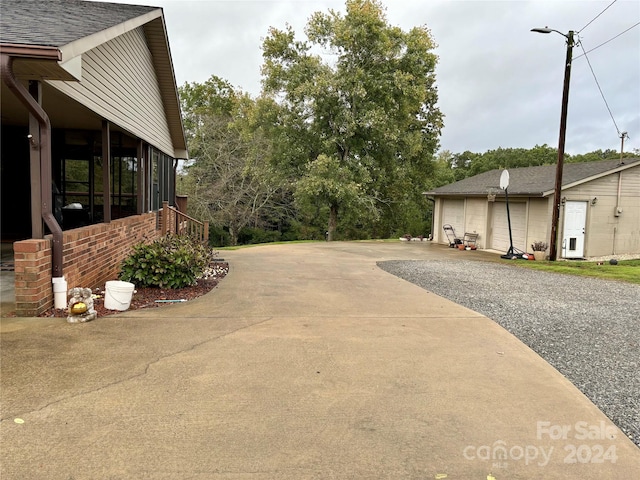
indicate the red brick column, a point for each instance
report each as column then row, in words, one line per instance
column 34, row 292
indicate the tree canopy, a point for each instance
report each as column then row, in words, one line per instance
column 358, row 112
column 342, row 140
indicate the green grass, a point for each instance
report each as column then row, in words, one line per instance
column 238, row 247
column 624, row 271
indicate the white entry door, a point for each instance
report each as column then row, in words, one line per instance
column 575, row 221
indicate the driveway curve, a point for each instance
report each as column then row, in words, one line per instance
column 307, row 361
column 587, row 328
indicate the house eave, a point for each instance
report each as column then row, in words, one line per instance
column 37, row 62
column 156, row 33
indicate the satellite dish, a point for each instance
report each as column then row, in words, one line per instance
column 504, row 180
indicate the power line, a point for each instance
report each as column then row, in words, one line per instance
column 602, row 94
column 614, row 1
column 604, row 43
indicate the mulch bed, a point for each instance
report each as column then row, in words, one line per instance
column 146, row 297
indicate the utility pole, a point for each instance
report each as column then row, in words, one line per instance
column 553, row 245
column 622, row 137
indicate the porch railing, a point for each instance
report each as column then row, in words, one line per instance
column 175, row 221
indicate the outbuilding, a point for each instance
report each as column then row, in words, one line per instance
column 599, row 208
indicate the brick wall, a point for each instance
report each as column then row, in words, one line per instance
column 91, row 256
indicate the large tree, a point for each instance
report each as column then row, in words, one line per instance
column 358, row 120
column 230, row 181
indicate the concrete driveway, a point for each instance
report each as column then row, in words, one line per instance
column 306, row 362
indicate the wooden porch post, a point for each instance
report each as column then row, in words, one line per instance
column 141, row 176
column 37, row 230
column 106, row 172
column 181, row 203
column 165, row 218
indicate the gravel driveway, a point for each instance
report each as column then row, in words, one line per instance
column 588, row 329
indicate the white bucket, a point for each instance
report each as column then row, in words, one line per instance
column 59, row 292
column 117, row 295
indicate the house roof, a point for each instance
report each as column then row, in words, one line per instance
column 60, row 22
column 533, row 181
column 76, row 26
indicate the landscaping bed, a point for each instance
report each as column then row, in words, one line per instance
column 151, row 297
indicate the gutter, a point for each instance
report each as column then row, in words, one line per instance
column 38, row 112
column 38, row 52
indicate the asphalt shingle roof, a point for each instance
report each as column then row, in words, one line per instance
column 531, row 181
column 60, row 22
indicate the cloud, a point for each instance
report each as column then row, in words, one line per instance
column 499, row 84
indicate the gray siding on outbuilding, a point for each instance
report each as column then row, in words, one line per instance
column 608, row 233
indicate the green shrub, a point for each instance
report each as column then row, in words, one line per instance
column 170, row 262
column 218, row 236
column 248, row 236
column 299, row 231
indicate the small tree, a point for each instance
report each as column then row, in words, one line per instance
column 230, row 181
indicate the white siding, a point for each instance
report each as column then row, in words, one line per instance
column 119, row 83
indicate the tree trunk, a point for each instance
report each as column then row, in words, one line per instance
column 233, row 236
column 333, row 222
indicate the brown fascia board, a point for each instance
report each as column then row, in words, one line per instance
column 37, row 52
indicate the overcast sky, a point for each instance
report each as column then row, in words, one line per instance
column 499, row 84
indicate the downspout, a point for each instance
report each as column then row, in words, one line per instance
column 37, row 111
column 433, row 215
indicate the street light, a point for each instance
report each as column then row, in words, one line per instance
column 553, row 248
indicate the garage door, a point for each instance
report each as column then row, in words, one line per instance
column 500, row 226
column 453, row 214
